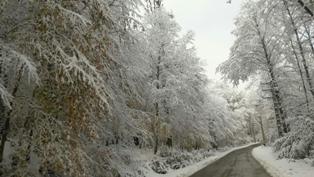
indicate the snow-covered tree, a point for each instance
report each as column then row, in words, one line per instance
column 58, row 62
column 176, row 78
column 273, row 42
column 255, row 51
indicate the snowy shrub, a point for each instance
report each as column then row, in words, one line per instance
column 299, row 142
column 178, row 159
column 165, row 151
column 159, row 167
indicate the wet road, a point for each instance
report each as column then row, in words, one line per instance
column 239, row 163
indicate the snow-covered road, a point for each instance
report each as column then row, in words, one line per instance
column 239, row 163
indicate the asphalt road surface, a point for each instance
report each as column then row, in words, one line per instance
column 239, row 163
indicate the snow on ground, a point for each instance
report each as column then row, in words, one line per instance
column 282, row 167
column 189, row 170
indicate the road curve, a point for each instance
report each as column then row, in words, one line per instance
column 239, row 163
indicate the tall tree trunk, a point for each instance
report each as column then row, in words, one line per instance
column 252, row 129
column 156, row 145
column 260, row 121
column 155, row 129
column 301, row 75
column 276, row 102
column 158, row 84
column 306, row 69
column 157, row 107
column 276, row 97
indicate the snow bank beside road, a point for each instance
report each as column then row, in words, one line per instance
column 282, row 167
column 190, row 170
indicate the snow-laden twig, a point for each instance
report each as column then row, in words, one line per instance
column 5, row 96
column 11, row 57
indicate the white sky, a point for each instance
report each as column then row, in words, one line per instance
column 212, row 22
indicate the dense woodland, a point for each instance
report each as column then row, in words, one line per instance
column 82, row 81
column 274, row 49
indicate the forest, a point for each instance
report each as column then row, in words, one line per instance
column 89, row 86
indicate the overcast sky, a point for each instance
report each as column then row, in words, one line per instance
column 212, row 22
